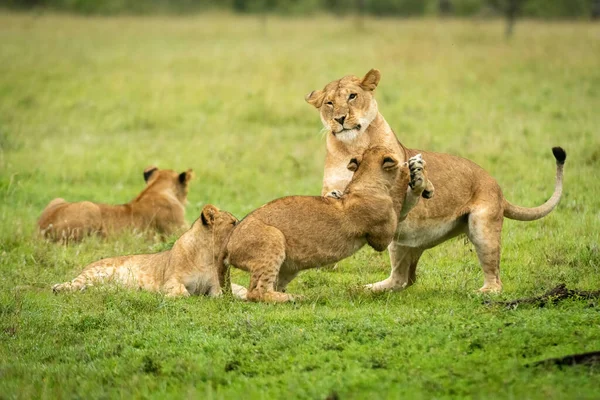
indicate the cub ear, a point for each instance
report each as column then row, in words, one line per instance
column 389, row 162
column 353, row 165
column 148, row 172
column 186, row 176
column 371, row 80
column 315, row 98
column 209, row 213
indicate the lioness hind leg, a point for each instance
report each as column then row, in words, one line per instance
column 485, row 234
column 404, row 266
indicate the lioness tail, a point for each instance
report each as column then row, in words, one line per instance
column 530, row 214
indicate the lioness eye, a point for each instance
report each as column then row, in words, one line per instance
column 329, row 103
column 352, row 96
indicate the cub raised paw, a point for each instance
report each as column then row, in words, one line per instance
column 336, row 194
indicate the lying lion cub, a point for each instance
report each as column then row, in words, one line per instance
column 468, row 200
column 188, row 268
column 159, row 207
column 280, row 239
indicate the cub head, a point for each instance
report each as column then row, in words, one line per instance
column 378, row 164
column 215, row 224
column 166, row 180
column 347, row 106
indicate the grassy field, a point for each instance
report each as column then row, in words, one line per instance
column 87, row 103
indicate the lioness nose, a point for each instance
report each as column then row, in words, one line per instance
column 341, row 120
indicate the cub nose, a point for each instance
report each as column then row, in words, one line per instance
column 341, row 120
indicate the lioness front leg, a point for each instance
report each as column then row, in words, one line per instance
column 404, row 267
column 419, row 185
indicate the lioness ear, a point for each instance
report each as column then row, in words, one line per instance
column 186, row 176
column 315, row 98
column 148, row 172
column 389, row 163
column 353, row 165
column 371, row 80
column 209, row 213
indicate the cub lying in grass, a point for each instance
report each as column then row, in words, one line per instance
column 188, row 268
column 280, row 239
column 159, row 207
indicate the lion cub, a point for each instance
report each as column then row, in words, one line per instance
column 280, row 239
column 188, row 268
column 159, row 207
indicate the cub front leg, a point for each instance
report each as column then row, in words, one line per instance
column 174, row 288
column 419, row 185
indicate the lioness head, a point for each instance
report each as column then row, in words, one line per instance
column 166, row 180
column 347, row 106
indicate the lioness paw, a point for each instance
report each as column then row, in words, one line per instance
column 416, row 165
column 418, row 177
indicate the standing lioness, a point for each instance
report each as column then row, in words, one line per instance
column 188, row 268
column 160, row 207
column 280, row 239
column 468, row 200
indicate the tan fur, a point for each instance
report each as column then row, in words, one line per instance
column 467, row 200
column 159, row 207
column 188, row 268
column 277, row 241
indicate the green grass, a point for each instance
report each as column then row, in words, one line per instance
column 87, row 103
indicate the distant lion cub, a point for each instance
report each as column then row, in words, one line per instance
column 280, row 239
column 159, row 207
column 188, row 268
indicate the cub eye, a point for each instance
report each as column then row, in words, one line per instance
column 352, row 96
column 329, row 103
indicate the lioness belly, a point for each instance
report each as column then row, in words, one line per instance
column 427, row 233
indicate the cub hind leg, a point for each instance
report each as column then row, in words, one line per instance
column 89, row 277
column 108, row 270
column 261, row 251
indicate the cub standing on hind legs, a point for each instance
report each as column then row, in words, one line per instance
column 280, row 239
column 188, row 268
column 468, row 200
column 159, row 207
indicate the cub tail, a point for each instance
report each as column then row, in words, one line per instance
column 530, row 214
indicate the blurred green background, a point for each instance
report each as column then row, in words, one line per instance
column 462, row 8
